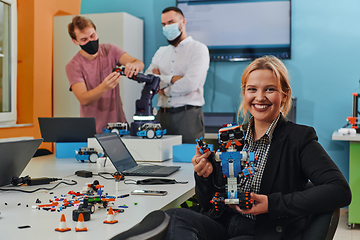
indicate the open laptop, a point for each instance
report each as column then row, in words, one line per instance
column 124, row 162
column 67, row 129
column 15, row 155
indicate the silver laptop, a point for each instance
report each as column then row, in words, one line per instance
column 124, row 162
column 15, row 155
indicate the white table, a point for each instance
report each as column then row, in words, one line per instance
column 15, row 213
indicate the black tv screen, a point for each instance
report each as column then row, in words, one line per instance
column 236, row 30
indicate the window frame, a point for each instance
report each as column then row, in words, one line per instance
column 9, row 118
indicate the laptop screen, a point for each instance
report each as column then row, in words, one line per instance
column 116, row 151
column 214, row 121
column 67, row 129
column 15, row 155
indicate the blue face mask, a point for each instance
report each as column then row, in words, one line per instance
column 171, row 31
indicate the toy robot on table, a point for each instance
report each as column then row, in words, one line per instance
column 144, row 110
column 118, row 127
column 87, row 154
column 93, row 196
column 235, row 163
column 151, row 130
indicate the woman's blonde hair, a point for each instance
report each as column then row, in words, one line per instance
column 281, row 74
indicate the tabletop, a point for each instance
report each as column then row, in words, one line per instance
column 17, row 209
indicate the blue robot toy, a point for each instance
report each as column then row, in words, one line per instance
column 118, row 127
column 87, row 154
column 235, row 163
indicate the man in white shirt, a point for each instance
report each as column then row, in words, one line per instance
column 182, row 67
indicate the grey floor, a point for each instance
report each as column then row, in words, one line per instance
column 343, row 232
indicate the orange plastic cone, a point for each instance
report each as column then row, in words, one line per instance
column 110, row 217
column 80, row 225
column 62, row 226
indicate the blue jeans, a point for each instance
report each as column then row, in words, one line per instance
column 188, row 224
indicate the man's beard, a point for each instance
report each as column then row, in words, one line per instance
column 176, row 41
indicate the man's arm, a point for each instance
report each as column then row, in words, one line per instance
column 194, row 76
column 154, row 69
column 86, row 97
column 132, row 65
column 164, row 83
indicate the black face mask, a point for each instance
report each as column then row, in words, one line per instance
column 91, row 47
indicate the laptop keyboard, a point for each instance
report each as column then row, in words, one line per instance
column 147, row 169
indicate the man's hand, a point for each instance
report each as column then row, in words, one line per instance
column 87, row 97
column 261, row 205
column 156, row 71
column 131, row 69
column 111, row 81
column 202, row 166
column 161, row 92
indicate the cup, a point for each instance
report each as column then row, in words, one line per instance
column 100, row 162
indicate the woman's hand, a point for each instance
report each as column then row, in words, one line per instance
column 202, row 166
column 260, row 205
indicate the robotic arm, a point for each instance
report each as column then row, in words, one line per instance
column 144, row 124
column 144, row 104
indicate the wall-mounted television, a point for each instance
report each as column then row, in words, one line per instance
column 236, row 30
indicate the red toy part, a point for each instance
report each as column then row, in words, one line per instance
column 54, row 204
column 75, row 193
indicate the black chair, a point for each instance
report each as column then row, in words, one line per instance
column 153, row 227
column 322, row 226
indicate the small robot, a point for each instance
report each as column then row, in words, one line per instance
column 235, row 163
column 91, row 197
column 87, row 154
column 118, row 127
column 151, row 130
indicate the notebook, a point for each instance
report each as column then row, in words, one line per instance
column 124, row 162
column 15, row 155
column 67, row 129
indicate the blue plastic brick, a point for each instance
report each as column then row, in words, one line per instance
column 185, row 152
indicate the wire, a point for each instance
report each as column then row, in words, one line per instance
column 35, row 190
column 100, row 174
column 130, row 181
